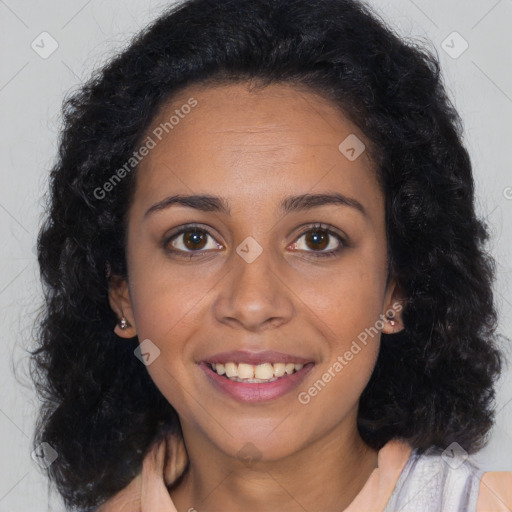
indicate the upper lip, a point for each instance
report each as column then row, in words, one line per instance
column 251, row 357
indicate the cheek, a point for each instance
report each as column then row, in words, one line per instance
column 349, row 300
column 164, row 312
column 164, row 316
column 165, row 296
column 348, row 306
column 168, row 306
column 337, row 388
column 349, row 316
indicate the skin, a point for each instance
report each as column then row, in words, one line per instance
column 255, row 147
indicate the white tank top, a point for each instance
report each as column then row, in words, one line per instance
column 431, row 483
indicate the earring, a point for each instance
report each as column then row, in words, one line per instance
column 123, row 323
column 391, row 321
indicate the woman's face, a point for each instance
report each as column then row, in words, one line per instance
column 247, row 281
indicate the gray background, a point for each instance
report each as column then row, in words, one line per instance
column 87, row 33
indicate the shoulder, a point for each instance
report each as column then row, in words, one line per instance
column 437, row 480
column 448, row 480
column 495, row 492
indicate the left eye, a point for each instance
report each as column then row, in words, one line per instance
column 321, row 240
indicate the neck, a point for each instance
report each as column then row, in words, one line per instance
column 325, row 475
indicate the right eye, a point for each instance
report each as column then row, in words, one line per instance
column 190, row 239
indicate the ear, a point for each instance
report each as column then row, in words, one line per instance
column 393, row 306
column 121, row 304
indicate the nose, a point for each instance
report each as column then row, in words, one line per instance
column 253, row 296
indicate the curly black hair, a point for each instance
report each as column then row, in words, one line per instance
column 433, row 382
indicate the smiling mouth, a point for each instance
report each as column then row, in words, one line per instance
column 255, row 373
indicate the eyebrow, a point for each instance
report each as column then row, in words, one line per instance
column 303, row 202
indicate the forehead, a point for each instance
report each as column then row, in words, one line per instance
column 262, row 141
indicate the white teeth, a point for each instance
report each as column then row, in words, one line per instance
column 265, row 372
column 246, row 371
column 279, row 369
column 231, row 370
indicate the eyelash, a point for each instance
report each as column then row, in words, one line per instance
column 195, row 227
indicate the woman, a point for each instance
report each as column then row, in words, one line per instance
column 266, row 282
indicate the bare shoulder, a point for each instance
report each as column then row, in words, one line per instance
column 495, row 493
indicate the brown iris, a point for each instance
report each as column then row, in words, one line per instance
column 318, row 238
column 193, row 238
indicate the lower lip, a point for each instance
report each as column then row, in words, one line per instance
column 256, row 391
